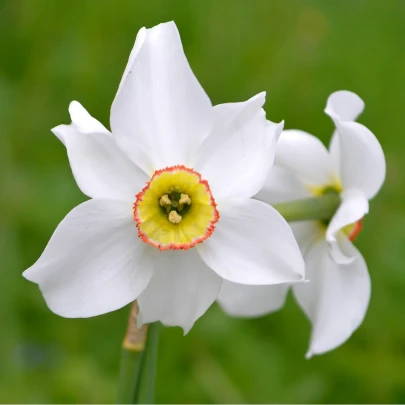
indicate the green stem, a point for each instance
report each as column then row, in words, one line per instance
column 131, row 359
column 145, row 393
column 129, row 376
column 313, row 208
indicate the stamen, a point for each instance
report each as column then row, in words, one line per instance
column 174, row 217
column 184, row 199
column 164, row 200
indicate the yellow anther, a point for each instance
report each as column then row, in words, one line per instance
column 174, row 217
column 184, row 199
column 164, row 200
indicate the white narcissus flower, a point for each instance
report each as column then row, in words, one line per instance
column 171, row 213
column 337, row 295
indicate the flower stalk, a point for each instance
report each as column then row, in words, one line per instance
column 131, row 358
column 313, row 208
column 145, row 393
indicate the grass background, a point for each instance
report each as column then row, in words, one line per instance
column 52, row 52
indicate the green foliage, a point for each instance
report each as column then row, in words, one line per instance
column 299, row 51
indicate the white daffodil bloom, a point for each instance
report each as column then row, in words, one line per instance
column 337, row 295
column 171, row 213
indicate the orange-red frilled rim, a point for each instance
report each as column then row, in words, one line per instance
column 355, row 230
column 176, row 209
column 352, row 230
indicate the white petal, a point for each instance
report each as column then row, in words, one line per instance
column 139, row 40
column 237, row 156
column 95, row 262
column 161, row 114
column 354, row 148
column 82, row 122
column 253, row 244
column 100, row 168
column 181, row 290
column 257, row 300
column 345, row 105
column 282, row 185
column 306, row 233
column 359, row 157
column 251, row 300
column 336, row 298
column 305, row 156
column 353, row 207
column 337, row 250
column 334, row 151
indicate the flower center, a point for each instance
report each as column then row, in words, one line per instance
column 351, row 230
column 175, row 204
column 175, row 210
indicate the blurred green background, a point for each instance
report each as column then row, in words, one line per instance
column 52, row 52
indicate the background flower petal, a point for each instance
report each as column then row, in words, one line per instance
column 345, row 105
column 336, row 298
column 253, row 244
column 358, row 156
column 306, row 233
column 94, row 263
column 305, row 156
column 181, row 290
column 353, row 207
column 282, row 185
column 161, row 114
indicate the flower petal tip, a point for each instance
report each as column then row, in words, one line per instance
column 27, row 274
column 168, row 25
column 73, row 105
column 77, row 111
column 58, row 131
column 277, row 128
column 258, row 100
column 344, row 105
column 301, row 280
